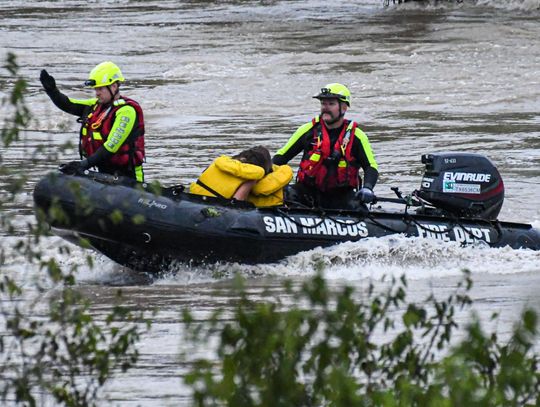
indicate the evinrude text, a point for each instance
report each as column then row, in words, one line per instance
column 466, row 177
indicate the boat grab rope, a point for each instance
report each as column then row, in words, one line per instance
column 494, row 224
column 323, row 215
column 454, row 223
column 289, row 217
column 407, row 221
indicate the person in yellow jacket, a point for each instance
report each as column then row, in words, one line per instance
column 269, row 190
column 248, row 175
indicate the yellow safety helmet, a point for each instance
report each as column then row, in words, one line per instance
column 104, row 74
column 337, row 91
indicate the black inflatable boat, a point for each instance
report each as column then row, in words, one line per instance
column 148, row 228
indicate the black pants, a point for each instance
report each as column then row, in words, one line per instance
column 338, row 198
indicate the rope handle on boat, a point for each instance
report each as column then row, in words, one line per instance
column 495, row 224
column 322, row 213
column 407, row 220
column 386, row 227
column 455, row 222
column 418, row 201
column 408, row 202
column 345, row 223
column 289, row 217
column 324, row 216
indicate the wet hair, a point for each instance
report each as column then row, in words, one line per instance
column 257, row 156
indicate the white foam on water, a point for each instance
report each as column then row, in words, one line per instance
column 416, row 258
column 185, row 274
column 89, row 267
column 368, row 258
column 372, row 258
column 525, row 5
column 107, row 272
column 520, row 5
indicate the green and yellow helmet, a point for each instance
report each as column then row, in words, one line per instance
column 335, row 91
column 104, row 74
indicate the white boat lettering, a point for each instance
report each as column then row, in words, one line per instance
column 471, row 234
column 269, row 224
column 457, row 233
column 321, row 228
column 307, row 223
column 341, row 229
column 430, row 231
column 466, row 176
column 278, row 224
column 284, row 225
column 314, row 226
column 151, row 203
column 329, row 227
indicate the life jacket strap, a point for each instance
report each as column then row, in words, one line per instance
column 212, row 191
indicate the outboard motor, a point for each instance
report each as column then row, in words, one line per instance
column 463, row 184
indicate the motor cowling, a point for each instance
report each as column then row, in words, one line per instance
column 463, row 184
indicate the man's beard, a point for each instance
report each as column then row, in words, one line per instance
column 332, row 119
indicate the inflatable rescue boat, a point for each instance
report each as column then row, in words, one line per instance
column 149, row 228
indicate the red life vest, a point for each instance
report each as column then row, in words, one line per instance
column 313, row 171
column 96, row 129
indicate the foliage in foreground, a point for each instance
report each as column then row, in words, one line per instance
column 362, row 349
column 51, row 346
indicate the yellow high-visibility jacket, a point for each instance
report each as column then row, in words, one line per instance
column 224, row 176
column 269, row 190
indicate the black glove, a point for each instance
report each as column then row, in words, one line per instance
column 365, row 195
column 72, row 167
column 47, row 81
column 334, row 157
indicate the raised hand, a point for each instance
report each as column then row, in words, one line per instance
column 47, row 80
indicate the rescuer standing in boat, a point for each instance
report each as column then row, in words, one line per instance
column 112, row 131
column 334, row 150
